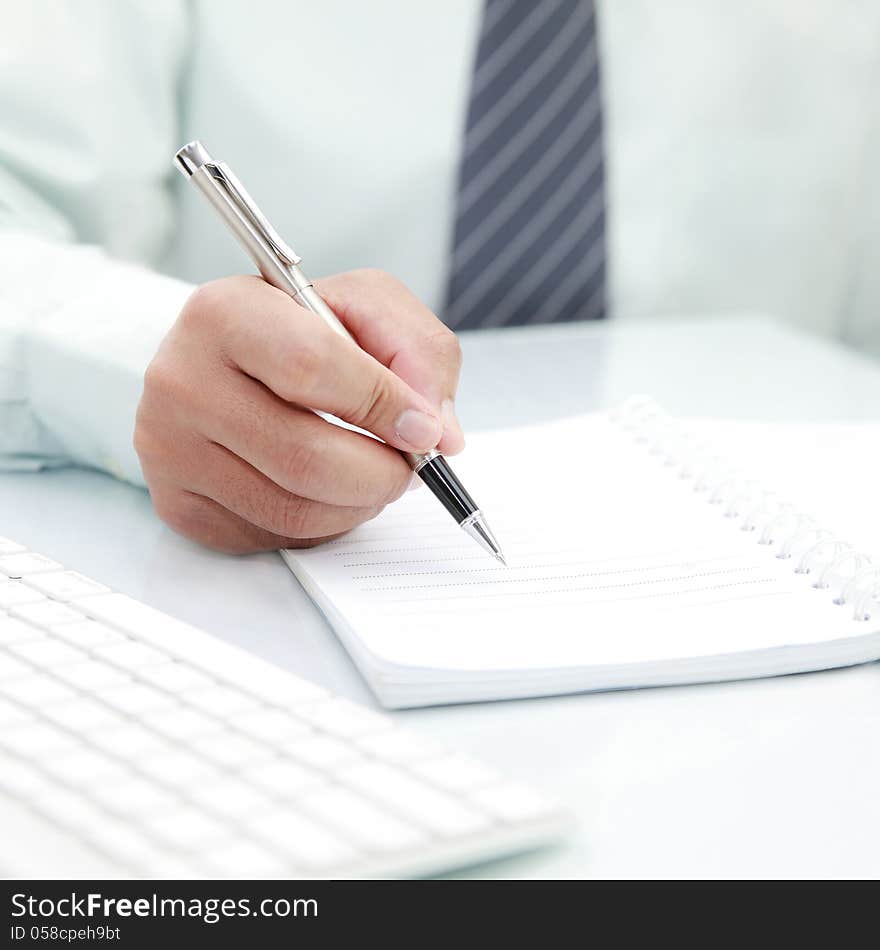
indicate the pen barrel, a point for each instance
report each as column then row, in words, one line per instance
column 288, row 278
column 437, row 474
column 312, row 300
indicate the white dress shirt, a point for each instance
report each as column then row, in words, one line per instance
column 740, row 152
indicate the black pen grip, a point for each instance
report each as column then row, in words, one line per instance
column 437, row 474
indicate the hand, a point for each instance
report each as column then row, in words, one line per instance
column 230, row 453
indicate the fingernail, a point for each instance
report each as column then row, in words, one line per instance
column 451, row 425
column 414, row 483
column 419, row 430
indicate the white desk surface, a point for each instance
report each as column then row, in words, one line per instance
column 772, row 778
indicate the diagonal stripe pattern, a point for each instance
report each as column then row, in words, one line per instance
column 529, row 244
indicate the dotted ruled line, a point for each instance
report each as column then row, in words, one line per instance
column 538, row 567
column 561, row 577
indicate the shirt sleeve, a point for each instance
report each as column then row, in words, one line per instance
column 72, row 357
column 88, row 124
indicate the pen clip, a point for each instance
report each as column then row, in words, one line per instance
column 246, row 205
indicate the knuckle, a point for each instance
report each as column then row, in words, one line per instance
column 300, row 465
column 201, row 305
column 294, row 517
column 378, row 396
column 214, row 296
column 376, row 276
column 162, row 383
column 213, row 308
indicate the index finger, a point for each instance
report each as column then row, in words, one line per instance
column 394, row 326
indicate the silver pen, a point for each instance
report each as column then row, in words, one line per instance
column 279, row 265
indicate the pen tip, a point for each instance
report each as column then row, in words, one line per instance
column 477, row 527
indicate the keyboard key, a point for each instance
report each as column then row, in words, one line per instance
column 232, row 750
column 322, row 752
column 186, row 829
column 135, row 698
column 135, row 797
column 182, row 723
column 413, row 799
column 84, row 767
column 20, row 565
column 36, row 691
column 368, row 825
column 175, row 677
column 87, row 633
column 283, row 779
column 47, row 653
column 305, row 841
column 11, row 668
column 342, row 718
column 22, row 779
column 129, row 741
column 121, row 841
column 221, row 701
column 130, row 655
column 33, row 740
column 231, row 797
column 11, row 713
column 70, row 809
column 177, row 769
column 92, row 675
column 271, row 726
column 243, row 859
column 513, row 802
column 396, row 745
column 456, row 774
column 64, row 585
column 81, row 715
column 45, row 613
column 13, row 593
column 136, row 619
column 175, row 867
column 16, row 631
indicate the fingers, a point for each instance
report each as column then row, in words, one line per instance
column 392, row 324
column 243, row 490
column 212, row 471
column 303, row 453
column 303, row 361
column 207, row 522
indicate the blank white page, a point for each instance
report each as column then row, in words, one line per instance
column 612, row 559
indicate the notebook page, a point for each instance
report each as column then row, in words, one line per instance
column 612, row 559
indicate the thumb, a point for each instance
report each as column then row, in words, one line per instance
column 380, row 401
column 433, row 372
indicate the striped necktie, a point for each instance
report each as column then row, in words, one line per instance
column 529, row 241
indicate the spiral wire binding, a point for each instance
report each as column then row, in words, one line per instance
column 776, row 522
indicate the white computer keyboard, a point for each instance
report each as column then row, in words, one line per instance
column 132, row 744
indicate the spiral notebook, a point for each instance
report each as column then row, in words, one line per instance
column 638, row 555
